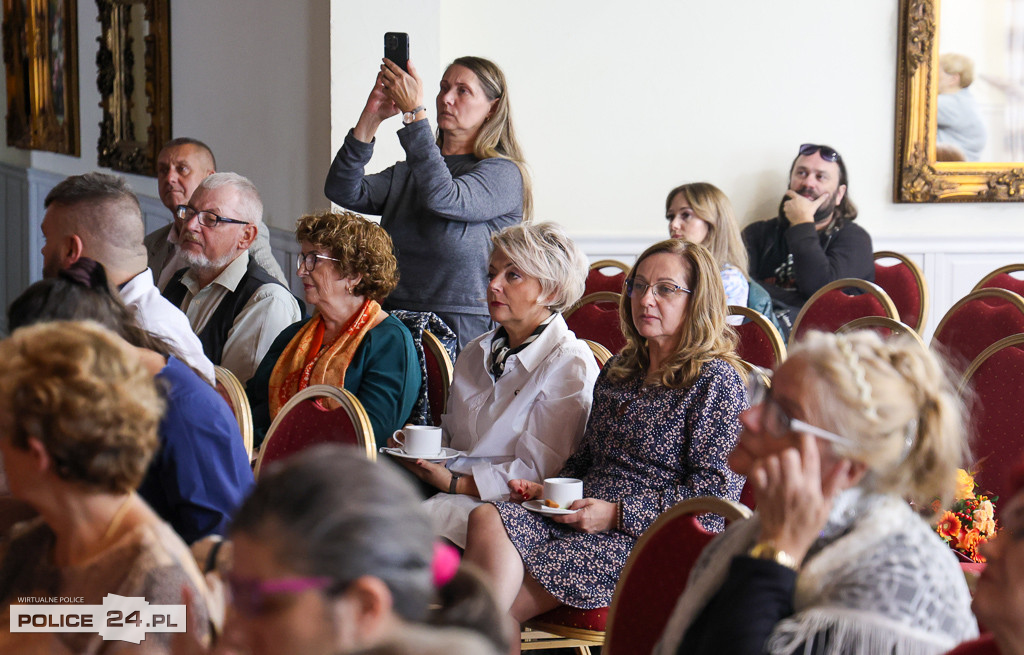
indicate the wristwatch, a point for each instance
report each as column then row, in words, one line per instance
column 410, row 116
column 767, row 550
column 453, row 485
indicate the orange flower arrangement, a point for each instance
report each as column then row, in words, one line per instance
column 970, row 521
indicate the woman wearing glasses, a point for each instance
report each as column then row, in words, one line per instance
column 836, row 559
column 664, row 419
column 347, row 268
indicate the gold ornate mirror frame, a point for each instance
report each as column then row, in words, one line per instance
column 918, row 176
column 41, row 59
column 124, row 144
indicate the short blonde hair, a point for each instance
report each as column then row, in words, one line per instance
column 955, row 63
column 545, row 252
column 705, row 334
column 363, row 247
column 712, row 206
column 83, row 394
column 897, row 402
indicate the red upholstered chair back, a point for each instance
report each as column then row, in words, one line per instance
column 439, row 375
column 1006, row 277
column 306, row 421
column 830, row 308
column 760, row 342
column 904, row 282
column 656, row 573
column 997, row 378
column 596, row 318
column 606, row 275
column 977, row 321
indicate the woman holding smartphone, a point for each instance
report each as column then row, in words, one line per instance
column 443, row 203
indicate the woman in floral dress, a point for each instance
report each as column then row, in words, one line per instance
column 665, row 418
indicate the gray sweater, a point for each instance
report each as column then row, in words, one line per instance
column 440, row 212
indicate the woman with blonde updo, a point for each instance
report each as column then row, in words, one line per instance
column 78, row 427
column 835, row 559
column 348, row 267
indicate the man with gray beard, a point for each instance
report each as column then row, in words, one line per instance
column 232, row 303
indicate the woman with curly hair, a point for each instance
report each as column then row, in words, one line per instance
column 78, row 426
column 347, row 268
column 665, row 417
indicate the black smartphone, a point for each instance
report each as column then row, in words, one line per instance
column 396, row 48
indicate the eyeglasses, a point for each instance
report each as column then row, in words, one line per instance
column 637, row 288
column 205, row 218
column 828, row 154
column 251, row 596
column 308, row 260
column 775, row 422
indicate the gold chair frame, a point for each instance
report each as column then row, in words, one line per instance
column 1009, row 268
column 898, row 328
column 1003, row 294
column 1006, row 342
column 601, row 353
column 609, row 263
column 597, row 296
column 437, row 349
column 729, row 509
column 347, row 401
column 239, row 404
column 757, row 318
column 922, row 285
column 845, row 283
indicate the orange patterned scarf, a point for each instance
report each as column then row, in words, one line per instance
column 306, row 361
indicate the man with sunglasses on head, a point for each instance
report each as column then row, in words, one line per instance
column 813, row 240
column 181, row 165
column 235, row 306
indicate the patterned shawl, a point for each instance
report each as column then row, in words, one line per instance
column 878, row 580
column 306, row 360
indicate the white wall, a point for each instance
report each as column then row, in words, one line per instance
column 251, row 79
column 618, row 102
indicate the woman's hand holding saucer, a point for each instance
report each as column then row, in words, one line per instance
column 521, row 490
column 593, row 516
column 793, row 497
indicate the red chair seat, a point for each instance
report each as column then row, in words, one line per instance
column 573, row 617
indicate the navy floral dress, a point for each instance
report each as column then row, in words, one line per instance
column 649, row 447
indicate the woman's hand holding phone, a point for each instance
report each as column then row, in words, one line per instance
column 404, row 89
column 379, row 107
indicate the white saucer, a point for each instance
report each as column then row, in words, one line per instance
column 445, row 454
column 541, row 508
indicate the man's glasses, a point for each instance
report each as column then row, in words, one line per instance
column 828, row 154
column 775, row 422
column 206, row 219
column 308, row 260
column 252, row 597
column 637, row 288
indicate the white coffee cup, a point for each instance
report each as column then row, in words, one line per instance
column 419, row 440
column 563, row 491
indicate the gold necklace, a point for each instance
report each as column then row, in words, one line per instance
column 115, row 521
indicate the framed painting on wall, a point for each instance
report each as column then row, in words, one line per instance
column 41, row 58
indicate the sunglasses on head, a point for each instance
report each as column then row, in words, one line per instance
column 828, row 154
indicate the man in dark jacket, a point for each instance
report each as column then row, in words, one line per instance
column 813, row 240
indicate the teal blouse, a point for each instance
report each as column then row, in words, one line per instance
column 384, row 375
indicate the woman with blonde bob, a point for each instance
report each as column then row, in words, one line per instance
column 347, row 269
column 521, row 394
column 451, row 194
column 78, row 427
column 835, row 559
column 701, row 213
column 665, row 417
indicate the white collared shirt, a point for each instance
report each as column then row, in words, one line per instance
column 526, row 423
column 269, row 311
column 156, row 314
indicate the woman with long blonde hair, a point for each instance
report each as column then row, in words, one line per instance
column 442, row 204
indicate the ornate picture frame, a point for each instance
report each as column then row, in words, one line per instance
column 136, row 112
column 918, row 177
column 41, row 60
